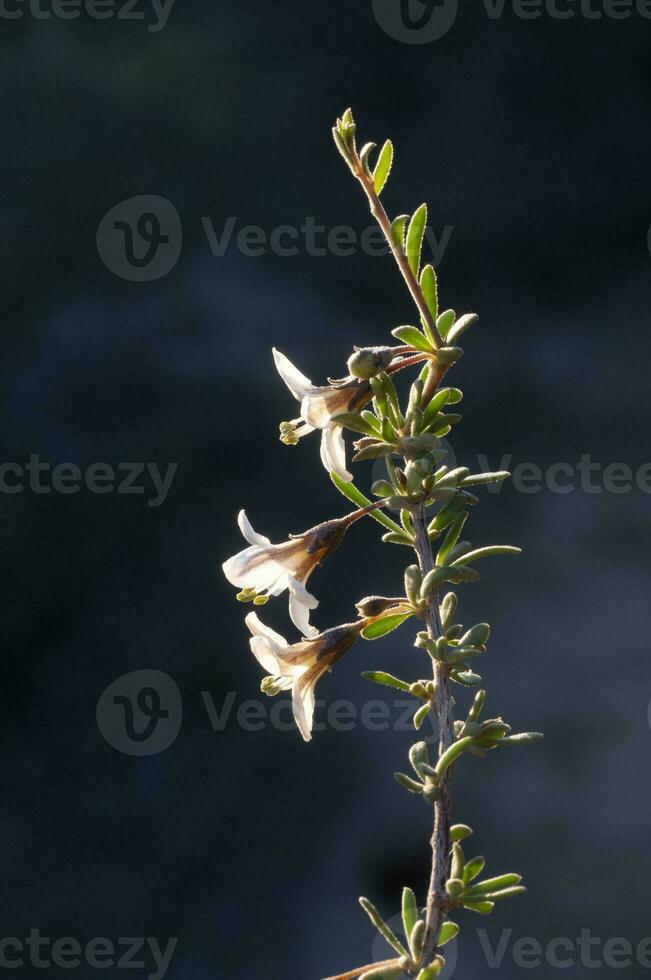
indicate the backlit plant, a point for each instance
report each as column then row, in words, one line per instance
column 431, row 502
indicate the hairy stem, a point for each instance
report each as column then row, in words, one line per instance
column 382, row 218
column 436, row 897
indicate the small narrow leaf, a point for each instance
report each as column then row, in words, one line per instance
column 432, row 579
column 451, row 539
column 463, row 323
column 384, row 626
column 477, row 479
column 355, row 422
column 460, row 831
column 364, row 154
column 421, row 715
column 387, row 680
column 409, row 910
column 413, row 337
column 495, row 884
column 484, row 908
column 383, row 167
column 449, row 756
column 415, row 234
column 445, row 323
column 408, row 783
column 398, row 538
column 495, row 549
column 473, row 868
column 429, row 285
column 398, row 226
column 448, row 931
column 382, row 927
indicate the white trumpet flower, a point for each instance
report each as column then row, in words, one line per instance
column 265, row 569
column 298, row 667
column 318, row 407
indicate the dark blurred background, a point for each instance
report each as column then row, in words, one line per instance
column 529, row 139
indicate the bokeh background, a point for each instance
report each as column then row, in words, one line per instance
column 530, row 140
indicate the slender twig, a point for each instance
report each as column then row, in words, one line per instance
column 382, row 218
column 442, row 700
column 436, row 896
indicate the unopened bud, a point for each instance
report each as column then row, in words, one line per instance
column 373, row 605
column 369, row 362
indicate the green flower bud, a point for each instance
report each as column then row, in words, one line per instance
column 367, row 362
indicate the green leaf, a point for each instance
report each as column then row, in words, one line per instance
column 382, row 927
column 387, row 680
column 473, row 868
column 383, row 167
column 463, row 323
column 448, row 931
column 495, row 884
column 383, row 626
column 409, row 910
column 413, row 337
column 445, row 322
column 350, row 492
column 460, row 831
column 438, row 402
column 524, row 738
column 364, row 154
column 449, row 756
column 415, row 234
column 432, row 579
column 495, row 549
column 398, row 226
column 429, row 285
column 398, row 538
column 355, row 422
column 451, row 539
column 408, row 783
column 484, row 908
column 477, row 479
column 421, row 715
column 506, row 893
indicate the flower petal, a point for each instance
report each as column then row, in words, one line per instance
column 297, row 383
column 333, row 452
column 256, row 568
column 299, row 608
column 258, row 628
column 250, row 535
column 303, row 702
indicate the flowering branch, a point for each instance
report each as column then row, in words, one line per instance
column 432, row 501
